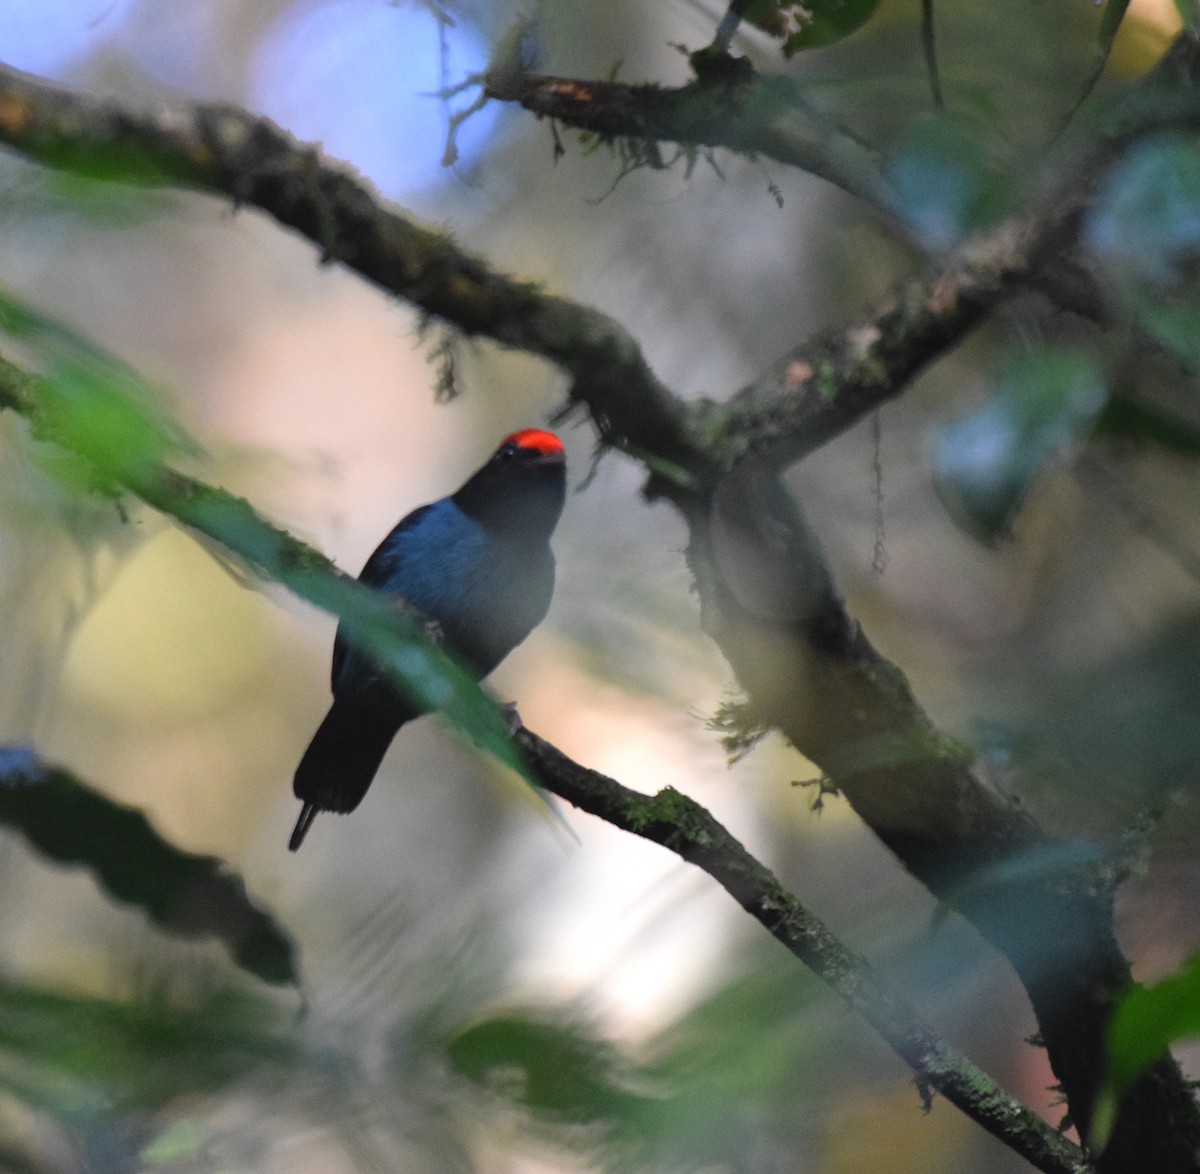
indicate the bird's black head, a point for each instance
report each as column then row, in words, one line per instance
column 521, row 489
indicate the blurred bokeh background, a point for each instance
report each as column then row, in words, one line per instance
column 449, row 921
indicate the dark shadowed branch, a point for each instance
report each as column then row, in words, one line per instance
column 810, row 671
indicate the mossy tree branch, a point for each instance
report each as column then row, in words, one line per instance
column 690, row 831
column 223, row 150
column 730, row 105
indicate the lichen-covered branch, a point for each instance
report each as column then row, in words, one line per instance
column 690, row 830
column 222, row 149
column 830, row 382
column 822, row 387
column 729, row 106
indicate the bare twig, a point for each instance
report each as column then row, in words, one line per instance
column 929, row 47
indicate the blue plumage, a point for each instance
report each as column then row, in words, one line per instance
column 478, row 564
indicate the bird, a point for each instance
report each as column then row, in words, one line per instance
column 478, row 566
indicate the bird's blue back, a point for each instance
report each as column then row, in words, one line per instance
column 486, row 592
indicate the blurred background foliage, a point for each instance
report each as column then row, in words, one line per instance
column 479, row 992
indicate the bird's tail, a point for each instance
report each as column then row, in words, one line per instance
column 340, row 762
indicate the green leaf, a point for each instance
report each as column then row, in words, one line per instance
column 41, row 199
column 554, row 1070
column 811, row 24
column 1145, row 227
column 1147, row 1021
column 943, row 182
column 709, row 1088
column 119, row 433
column 1187, row 13
column 194, row 896
column 1132, row 419
column 829, row 22
column 986, row 464
column 1110, row 23
column 89, row 403
column 86, row 1060
column 1175, row 324
column 181, row 1141
column 1144, row 231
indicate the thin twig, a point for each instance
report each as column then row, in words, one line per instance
column 929, row 45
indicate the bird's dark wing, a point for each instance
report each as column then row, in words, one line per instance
column 383, row 566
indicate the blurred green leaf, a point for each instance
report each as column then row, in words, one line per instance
column 986, row 464
column 943, row 182
column 736, row 1066
column 811, row 24
column 115, row 158
column 191, row 895
column 90, row 414
column 1146, row 1022
column 108, row 205
column 1145, row 225
column 180, row 1141
column 705, row 1092
column 554, row 1070
column 39, row 201
column 1144, row 231
column 1110, row 23
column 87, row 1060
column 827, row 22
column 1131, row 419
column 1175, row 324
column 1187, row 13
column 90, row 404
